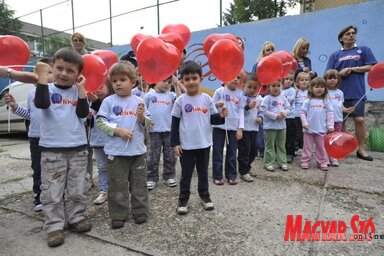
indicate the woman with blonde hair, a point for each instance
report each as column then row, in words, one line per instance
column 300, row 53
column 78, row 43
column 267, row 49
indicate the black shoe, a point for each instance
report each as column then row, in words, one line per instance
column 116, row 223
column 289, row 159
column 366, row 158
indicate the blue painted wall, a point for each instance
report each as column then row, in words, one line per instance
column 320, row 28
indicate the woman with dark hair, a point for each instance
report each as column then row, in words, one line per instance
column 352, row 62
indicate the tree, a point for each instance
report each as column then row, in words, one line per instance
column 8, row 25
column 51, row 44
column 250, row 10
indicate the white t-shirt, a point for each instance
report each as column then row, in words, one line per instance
column 336, row 97
column 160, row 105
column 251, row 115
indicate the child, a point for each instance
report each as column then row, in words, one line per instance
column 34, row 115
column 290, row 94
column 336, row 98
column 192, row 116
column 160, row 104
column 275, row 108
column 63, row 144
column 229, row 133
column 142, row 87
column 247, row 145
column 123, row 117
column 317, row 118
column 301, row 83
column 97, row 142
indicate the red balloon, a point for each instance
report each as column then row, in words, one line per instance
column 226, row 59
column 13, row 51
column 213, row 38
column 94, row 71
column 286, row 60
column 340, row 144
column 136, row 39
column 376, row 76
column 269, row 69
column 295, row 65
column 156, row 59
column 109, row 57
column 173, row 38
column 181, row 29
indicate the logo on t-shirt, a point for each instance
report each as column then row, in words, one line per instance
column 189, row 108
column 154, row 99
column 228, row 97
column 56, row 98
column 350, row 57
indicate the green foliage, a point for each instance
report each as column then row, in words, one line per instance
column 51, row 44
column 250, row 10
column 8, row 25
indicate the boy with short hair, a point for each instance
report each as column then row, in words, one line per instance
column 123, row 117
column 160, row 104
column 192, row 116
column 63, row 144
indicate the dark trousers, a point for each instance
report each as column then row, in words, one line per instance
column 291, row 136
column 299, row 133
column 218, row 153
column 260, row 140
column 247, row 151
column 36, row 167
column 189, row 159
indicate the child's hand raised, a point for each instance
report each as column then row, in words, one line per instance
column 124, row 133
column 219, row 104
column 224, row 112
column 42, row 72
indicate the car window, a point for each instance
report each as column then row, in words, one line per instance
column 2, row 98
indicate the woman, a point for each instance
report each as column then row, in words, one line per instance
column 78, row 43
column 267, row 49
column 352, row 62
column 300, row 53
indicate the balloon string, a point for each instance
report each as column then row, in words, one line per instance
column 356, row 105
column 322, row 135
column 225, row 121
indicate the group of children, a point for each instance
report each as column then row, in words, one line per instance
column 132, row 125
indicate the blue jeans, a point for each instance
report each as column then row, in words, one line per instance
column 101, row 163
column 218, row 153
column 189, row 159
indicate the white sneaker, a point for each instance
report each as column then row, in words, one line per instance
column 269, row 168
column 207, row 204
column 247, row 177
column 151, row 185
column 171, row 183
column 284, row 167
column 103, row 196
column 38, row 208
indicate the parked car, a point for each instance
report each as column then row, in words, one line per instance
column 20, row 93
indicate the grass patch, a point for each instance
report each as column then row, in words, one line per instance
column 12, row 180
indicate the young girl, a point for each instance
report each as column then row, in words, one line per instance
column 301, row 82
column 97, row 142
column 290, row 94
column 247, row 145
column 232, row 98
column 275, row 108
column 336, row 98
column 317, row 119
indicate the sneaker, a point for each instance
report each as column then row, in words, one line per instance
column 305, row 166
column 151, row 185
column 140, row 218
column 247, row 177
column 103, row 196
column 116, row 223
column 206, row 202
column 289, row 159
column 55, row 238
column 81, row 226
column 232, row 182
column 182, row 207
column 38, row 207
column 324, row 167
column 270, row 168
column 171, row 183
column 284, row 167
column 334, row 162
column 253, row 173
column 218, row 182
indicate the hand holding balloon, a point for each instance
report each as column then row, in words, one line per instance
column 219, row 104
column 124, row 133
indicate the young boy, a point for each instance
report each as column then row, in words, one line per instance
column 63, row 144
column 191, row 134
column 123, row 117
column 232, row 98
column 247, row 145
column 33, row 115
column 160, row 104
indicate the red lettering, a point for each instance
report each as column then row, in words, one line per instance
column 324, row 229
column 307, row 231
column 293, row 228
column 316, row 234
